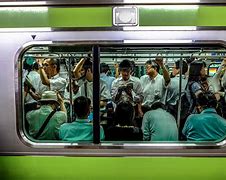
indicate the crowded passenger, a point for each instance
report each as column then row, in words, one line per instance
column 173, row 91
column 124, row 127
column 44, row 123
column 31, row 83
column 154, row 85
column 105, row 75
column 83, row 73
column 81, row 129
column 159, row 125
column 126, row 86
column 50, row 80
column 208, row 125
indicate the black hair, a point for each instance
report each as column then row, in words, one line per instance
column 133, row 66
column 125, row 64
column 153, row 64
column 206, row 100
column 88, row 64
column 35, row 66
column 104, row 68
column 194, row 70
column 82, row 106
column 184, row 66
column 124, row 114
column 157, row 105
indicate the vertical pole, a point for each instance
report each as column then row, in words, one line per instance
column 70, row 88
column 96, row 94
column 180, row 88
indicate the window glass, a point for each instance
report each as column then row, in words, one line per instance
column 147, row 93
column 58, row 93
column 154, row 93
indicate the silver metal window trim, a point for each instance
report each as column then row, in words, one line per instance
column 109, row 2
column 105, row 145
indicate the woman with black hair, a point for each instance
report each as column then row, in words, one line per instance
column 197, row 82
column 124, row 126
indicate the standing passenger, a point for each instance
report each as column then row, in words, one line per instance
column 173, row 89
column 84, row 75
column 104, row 71
column 126, row 86
column 154, row 85
column 50, row 80
column 49, row 73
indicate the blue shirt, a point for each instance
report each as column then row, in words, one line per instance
column 107, row 79
column 159, row 125
column 206, row 126
column 79, row 130
column 173, row 90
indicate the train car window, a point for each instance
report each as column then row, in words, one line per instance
column 153, row 96
column 146, row 93
column 58, row 93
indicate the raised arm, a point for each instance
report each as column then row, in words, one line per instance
column 78, row 68
column 44, row 78
column 166, row 76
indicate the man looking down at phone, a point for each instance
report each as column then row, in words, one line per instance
column 126, row 87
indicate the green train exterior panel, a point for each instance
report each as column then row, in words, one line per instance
column 53, row 168
column 102, row 16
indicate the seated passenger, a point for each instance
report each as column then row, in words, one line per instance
column 124, row 127
column 36, row 118
column 208, row 125
column 81, row 129
column 159, row 125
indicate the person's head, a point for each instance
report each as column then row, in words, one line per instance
column 133, row 67
column 176, row 68
column 124, row 114
column 197, row 70
column 51, row 66
column 152, row 68
column 104, row 68
column 35, row 66
column 206, row 100
column 87, row 69
column 28, row 63
column 82, row 107
column 157, row 105
column 125, row 69
column 49, row 98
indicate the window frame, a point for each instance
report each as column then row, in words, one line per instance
column 96, row 144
